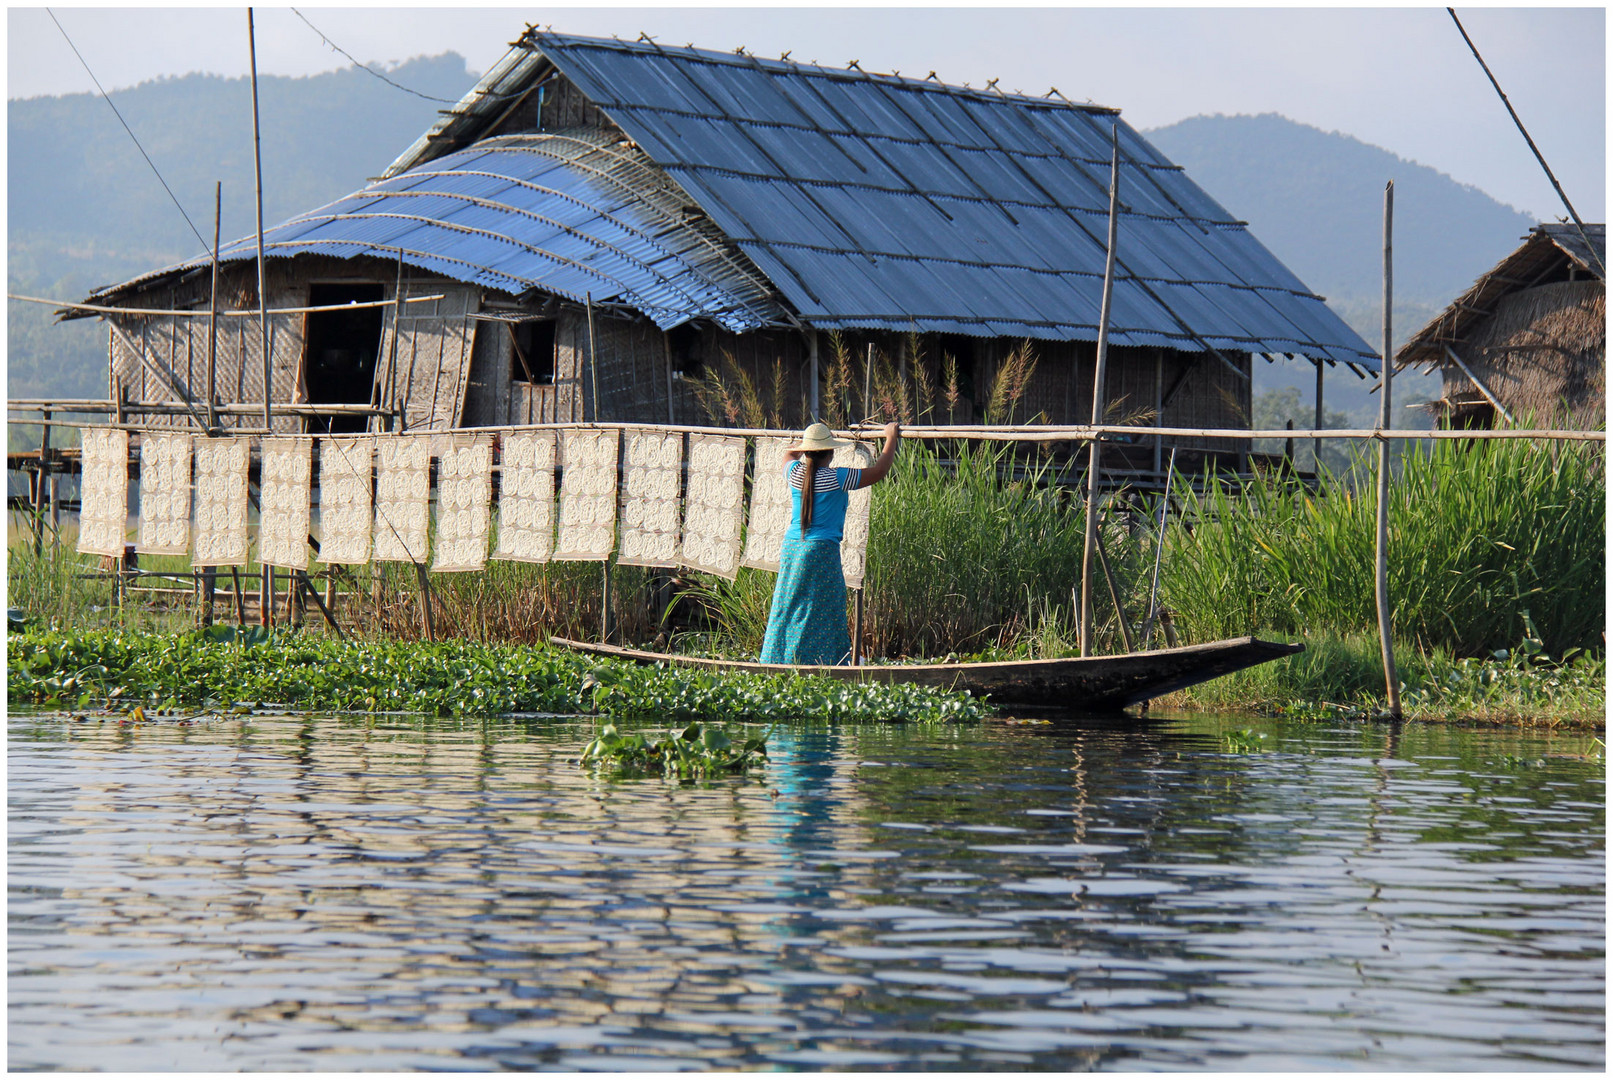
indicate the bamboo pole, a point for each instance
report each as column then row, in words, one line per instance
column 40, row 487
column 1385, row 414
column 212, row 326
column 593, row 356
column 812, row 375
column 1114, row 595
column 1316, row 448
column 1478, row 384
column 1029, row 433
column 191, row 313
column 857, row 625
column 671, row 407
column 868, row 382
column 427, row 624
column 257, row 172
column 1097, row 393
column 1561, row 194
column 1159, row 553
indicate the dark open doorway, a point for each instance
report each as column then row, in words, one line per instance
column 342, row 348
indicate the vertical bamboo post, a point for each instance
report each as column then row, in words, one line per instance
column 1159, row 407
column 857, row 625
column 257, row 172
column 212, row 320
column 43, row 487
column 427, row 624
column 868, row 383
column 604, row 607
column 1093, row 458
column 1316, row 467
column 812, row 374
column 209, row 588
column 671, row 406
column 240, row 600
column 265, row 594
column 1385, row 415
column 593, row 356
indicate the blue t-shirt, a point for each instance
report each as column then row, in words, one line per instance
column 829, row 500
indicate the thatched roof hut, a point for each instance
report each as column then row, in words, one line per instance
column 1529, row 339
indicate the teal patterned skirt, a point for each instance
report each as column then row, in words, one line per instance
column 807, row 624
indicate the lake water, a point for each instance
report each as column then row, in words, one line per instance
column 280, row 893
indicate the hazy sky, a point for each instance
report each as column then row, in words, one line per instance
column 1400, row 78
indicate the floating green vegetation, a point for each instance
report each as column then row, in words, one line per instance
column 1341, row 678
column 1243, row 741
column 695, row 752
column 220, row 669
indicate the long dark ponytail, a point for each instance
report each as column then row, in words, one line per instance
column 812, row 461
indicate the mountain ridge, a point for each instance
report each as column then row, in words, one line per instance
column 86, row 211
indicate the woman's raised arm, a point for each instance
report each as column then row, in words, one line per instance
column 882, row 464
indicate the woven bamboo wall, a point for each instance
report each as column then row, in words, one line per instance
column 178, row 346
column 1543, row 353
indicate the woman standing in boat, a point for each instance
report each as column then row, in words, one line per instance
column 807, row 624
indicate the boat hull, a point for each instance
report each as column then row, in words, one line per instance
column 1079, row 684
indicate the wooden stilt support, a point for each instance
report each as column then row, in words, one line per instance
column 209, row 587
column 324, row 609
column 604, row 606
column 426, row 622
column 857, row 628
column 240, row 598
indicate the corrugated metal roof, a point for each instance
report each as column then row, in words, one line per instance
column 572, row 213
column 858, row 200
column 876, row 201
column 1567, row 236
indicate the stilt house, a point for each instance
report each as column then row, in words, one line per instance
column 1529, row 339
column 680, row 208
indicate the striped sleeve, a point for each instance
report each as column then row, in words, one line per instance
column 848, row 478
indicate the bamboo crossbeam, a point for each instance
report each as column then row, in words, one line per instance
column 205, row 313
column 1064, row 433
column 178, row 408
column 984, row 433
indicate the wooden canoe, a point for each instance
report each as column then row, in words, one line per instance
column 1079, row 684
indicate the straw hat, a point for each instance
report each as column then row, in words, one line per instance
column 819, row 437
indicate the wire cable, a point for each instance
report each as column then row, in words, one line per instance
column 365, row 67
column 130, row 130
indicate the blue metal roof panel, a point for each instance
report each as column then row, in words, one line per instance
column 479, row 216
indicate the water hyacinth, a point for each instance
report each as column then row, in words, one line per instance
column 454, row 678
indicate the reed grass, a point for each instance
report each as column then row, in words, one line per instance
column 981, row 551
column 1483, row 537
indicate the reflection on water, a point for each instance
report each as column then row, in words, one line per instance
column 291, row 894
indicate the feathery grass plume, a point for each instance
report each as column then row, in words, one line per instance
column 949, row 382
column 728, row 395
column 1115, row 413
column 979, row 552
column 1010, row 383
column 837, row 400
column 776, row 415
column 891, row 397
column 923, row 388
